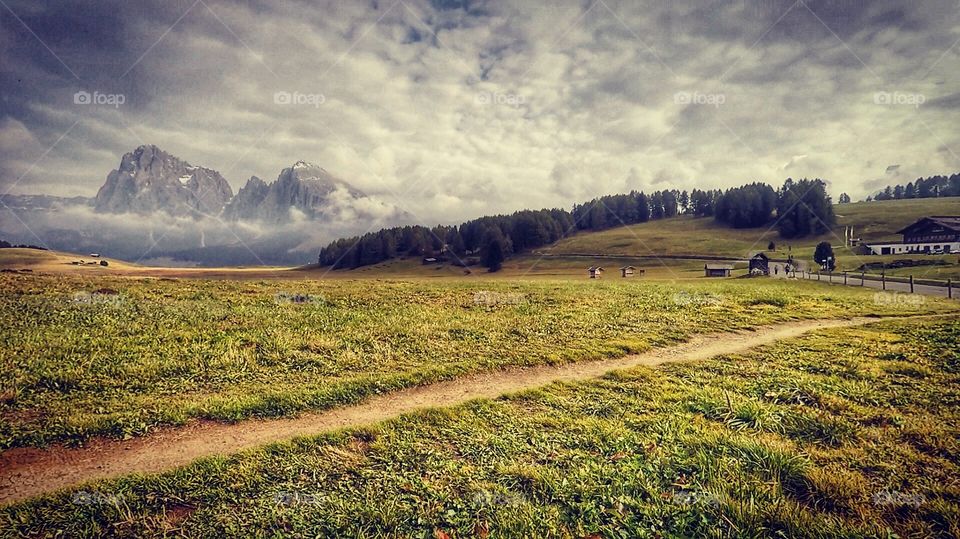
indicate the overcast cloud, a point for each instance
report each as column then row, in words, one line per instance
column 455, row 109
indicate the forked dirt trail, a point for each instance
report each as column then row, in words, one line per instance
column 27, row 472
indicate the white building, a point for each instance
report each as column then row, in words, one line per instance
column 930, row 235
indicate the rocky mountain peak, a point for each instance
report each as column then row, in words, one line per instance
column 303, row 164
column 303, row 188
column 149, row 179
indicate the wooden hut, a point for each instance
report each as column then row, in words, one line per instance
column 759, row 264
column 717, row 270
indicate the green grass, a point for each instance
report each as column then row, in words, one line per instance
column 531, row 266
column 941, row 272
column 676, row 236
column 842, row 433
column 872, row 221
column 159, row 352
column 879, row 220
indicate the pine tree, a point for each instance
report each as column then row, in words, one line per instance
column 494, row 251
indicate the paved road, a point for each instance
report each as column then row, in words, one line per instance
column 853, row 279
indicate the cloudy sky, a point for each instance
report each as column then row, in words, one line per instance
column 457, row 109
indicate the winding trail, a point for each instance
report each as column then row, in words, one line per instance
column 27, row 472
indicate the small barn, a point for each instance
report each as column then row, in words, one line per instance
column 595, row 272
column 759, row 264
column 630, row 271
column 717, row 270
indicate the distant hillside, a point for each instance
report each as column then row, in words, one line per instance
column 731, row 223
column 43, row 260
column 872, row 221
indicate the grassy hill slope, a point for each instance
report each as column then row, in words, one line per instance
column 41, row 260
column 872, row 221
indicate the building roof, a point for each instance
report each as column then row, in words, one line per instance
column 594, row 268
column 761, row 255
column 947, row 221
column 628, row 267
column 718, row 266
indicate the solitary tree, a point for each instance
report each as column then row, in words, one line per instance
column 493, row 252
column 771, row 246
column 823, row 255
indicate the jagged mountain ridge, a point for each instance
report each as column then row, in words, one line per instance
column 155, row 206
column 150, row 180
column 303, row 187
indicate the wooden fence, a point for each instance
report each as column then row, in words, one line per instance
column 852, row 278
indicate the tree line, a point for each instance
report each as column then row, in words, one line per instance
column 803, row 207
column 932, row 187
column 4, row 244
column 491, row 238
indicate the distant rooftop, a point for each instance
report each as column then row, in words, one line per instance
column 949, row 221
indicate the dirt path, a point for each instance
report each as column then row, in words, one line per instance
column 27, row 472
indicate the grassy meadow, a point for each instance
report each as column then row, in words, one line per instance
column 113, row 356
column 534, row 266
column 872, row 221
column 840, row 433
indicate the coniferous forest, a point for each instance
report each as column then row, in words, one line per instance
column 802, row 208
